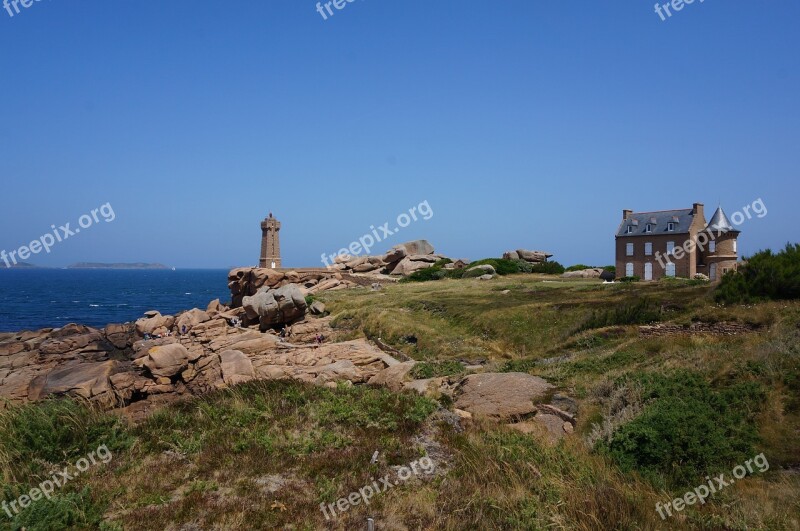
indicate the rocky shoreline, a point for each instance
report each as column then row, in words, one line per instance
column 269, row 332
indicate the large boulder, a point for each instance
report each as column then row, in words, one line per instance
column 533, row 256
column 480, row 270
column 73, row 338
column 416, row 247
column 406, row 266
column 166, row 361
column 86, row 380
column 394, row 377
column 153, row 321
column 394, row 255
column 273, row 307
column 236, row 367
column 501, row 395
column 511, row 255
column 190, row 319
column 119, row 335
column 583, row 273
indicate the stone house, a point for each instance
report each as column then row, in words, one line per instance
column 675, row 243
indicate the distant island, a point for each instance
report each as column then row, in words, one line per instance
column 96, row 265
column 23, row 265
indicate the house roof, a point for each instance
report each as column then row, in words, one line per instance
column 720, row 222
column 659, row 222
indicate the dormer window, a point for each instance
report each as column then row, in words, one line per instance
column 630, row 229
column 671, row 226
column 648, row 228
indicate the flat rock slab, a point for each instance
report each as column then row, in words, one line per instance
column 85, row 379
column 501, row 395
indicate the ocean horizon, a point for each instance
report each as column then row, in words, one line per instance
column 31, row 299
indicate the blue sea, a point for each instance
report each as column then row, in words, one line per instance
column 43, row 298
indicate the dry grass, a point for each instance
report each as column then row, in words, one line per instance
column 210, row 463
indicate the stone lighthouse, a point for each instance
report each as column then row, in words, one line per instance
column 270, row 243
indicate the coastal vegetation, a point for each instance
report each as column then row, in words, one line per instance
column 671, row 387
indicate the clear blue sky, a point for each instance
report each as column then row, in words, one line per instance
column 522, row 123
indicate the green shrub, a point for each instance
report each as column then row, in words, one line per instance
column 630, row 279
column 425, row 369
column 765, row 276
column 548, row 268
column 687, row 430
column 610, row 268
column 72, row 510
column 426, row 275
column 578, row 267
column 640, row 312
column 36, row 436
column 502, row 266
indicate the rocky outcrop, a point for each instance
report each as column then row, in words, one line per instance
column 594, row 272
column 394, row 377
column 501, row 395
column 82, row 362
column 87, row 380
column 483, row 271
column 247, row 281
column 153, row 323
column 272, row 307
column 400, row 260
column 165, row 361
column 722, row 328
column 236, row 367
column 534, row 257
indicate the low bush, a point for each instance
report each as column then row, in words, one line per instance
column 501, row 266
column 687, row 430
column 578, row 267
column 630, row 279
column 425, row 369
column 765, row 276
column 641, row 312
column 547, row 268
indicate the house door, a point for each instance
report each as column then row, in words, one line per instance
column 648, row 271
column 713, row 272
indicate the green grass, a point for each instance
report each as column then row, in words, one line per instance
column 698, row 404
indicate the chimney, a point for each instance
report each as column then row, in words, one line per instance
column 697, row 210
column 626, row 214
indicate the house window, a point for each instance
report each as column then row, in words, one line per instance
column 648, row 271
column 712, row 246
column 671, row 226
column 629, row 249
column 629, row 230
column 713, row 272
column 648, row 248
column 629, row 269
column 670, row 248
column 670, row 269
column 734, row 246
column 648, row 228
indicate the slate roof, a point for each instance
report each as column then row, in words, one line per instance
column 720, row 222
column 659, row 222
